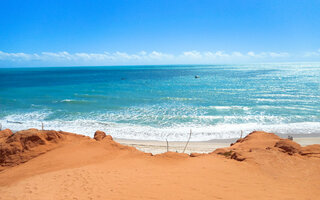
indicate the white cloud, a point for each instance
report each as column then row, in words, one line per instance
column 214, row 55
column 251, row 53
column 237, row 54
column 281, row 54
column 92, row 56
column 124, row 55
column 60, row 55
column 312, row 53
column 192, row 54
column 17, row 56
column 268, row 54
column 143, row 57
column 159, row 55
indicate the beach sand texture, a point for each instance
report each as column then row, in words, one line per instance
column 156, row 147
column 58, row 165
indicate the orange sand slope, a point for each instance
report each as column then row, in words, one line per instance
column 59, row 165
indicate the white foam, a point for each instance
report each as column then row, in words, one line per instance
column 66, row 100
column 172, row 133
column 30, row 116
column 72, row 101
column 179, row 99
column 229, row 107
column 157, row 123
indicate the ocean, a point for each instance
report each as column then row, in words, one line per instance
column 159, row 102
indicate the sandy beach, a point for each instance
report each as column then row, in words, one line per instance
column 159, row 100
column 155, row 147
column 59, row 165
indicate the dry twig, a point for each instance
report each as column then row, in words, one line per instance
column 167, row 145
column 187, row 141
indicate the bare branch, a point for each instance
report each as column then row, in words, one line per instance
column 187, row 141
column 167, row 145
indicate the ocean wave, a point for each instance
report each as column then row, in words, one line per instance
column 177, row 132
column 29, row 116
column 289, row 95
column 73, row 101
column 282, row 100
column 91, row 96
column 267, row 107
column 229, row 107
column 179, row 99
column 160, row 116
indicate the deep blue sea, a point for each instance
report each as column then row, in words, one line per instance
column 158, row 102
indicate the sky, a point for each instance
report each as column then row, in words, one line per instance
column 130, row 32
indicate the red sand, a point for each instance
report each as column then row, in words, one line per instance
column 58, row 165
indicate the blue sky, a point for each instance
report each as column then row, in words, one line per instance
column 94, row 32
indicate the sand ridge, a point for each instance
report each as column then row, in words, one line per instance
column 60, row 165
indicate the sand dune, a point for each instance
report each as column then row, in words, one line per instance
column 58, row 165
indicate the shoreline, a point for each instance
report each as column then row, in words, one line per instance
column 157, row 147
column 206, row 146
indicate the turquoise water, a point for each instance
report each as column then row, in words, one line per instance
column 155, row 102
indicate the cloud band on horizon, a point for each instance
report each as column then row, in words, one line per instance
column 154, row 57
